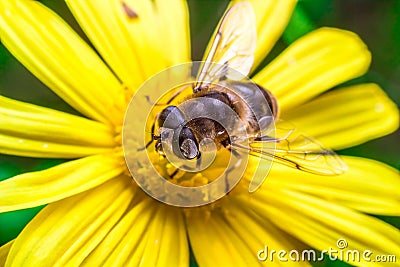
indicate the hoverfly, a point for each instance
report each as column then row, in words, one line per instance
column 233, row 47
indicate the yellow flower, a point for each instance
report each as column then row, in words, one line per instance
column 96, row 215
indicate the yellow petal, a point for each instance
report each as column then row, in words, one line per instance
column 136, row 38
column 368, row 186
column 18, row 146
column 29, row 130
column 314, row 63
column 64, row 233
column 150, row 234
column 348, row 116
column 321, row 224
column 4, row 250
column 215, row 244
column 272, row 18
column 57, row 56
column 235, row 237
column 67, row 179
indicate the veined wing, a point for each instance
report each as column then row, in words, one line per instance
column 295, row 149
column 232, row 47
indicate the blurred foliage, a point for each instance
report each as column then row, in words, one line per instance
column 377, row 22
column 299, row 25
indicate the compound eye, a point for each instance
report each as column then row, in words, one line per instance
column 189, row 149
column 188, row 144
column 171, row 117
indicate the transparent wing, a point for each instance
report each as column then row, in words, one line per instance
column 232, row 47
column 294, row 149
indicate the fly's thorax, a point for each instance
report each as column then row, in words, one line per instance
column 254, row 104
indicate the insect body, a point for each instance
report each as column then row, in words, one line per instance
column 228, row 58
column 190, row 133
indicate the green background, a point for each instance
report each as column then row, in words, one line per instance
column 376, row 21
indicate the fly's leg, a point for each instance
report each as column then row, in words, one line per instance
column 175, row 95
column 236, row 165
column 176, row 171
column 153, row 137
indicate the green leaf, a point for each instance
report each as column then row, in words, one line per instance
column 299, row 25
column 8, row 169
column 12, row 223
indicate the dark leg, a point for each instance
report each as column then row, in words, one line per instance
column 152, row 103
column 176, row 94
column 153, row 137
column 169, row 100
column 174, row 173
column 198, row 163
column 237, row 164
